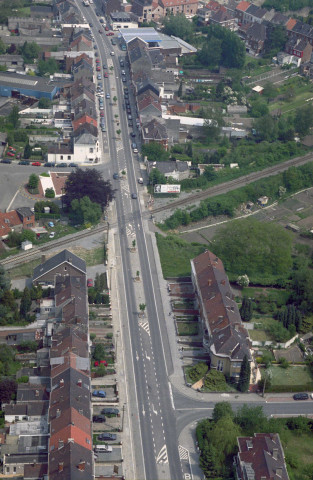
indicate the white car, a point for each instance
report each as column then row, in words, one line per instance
column 135, row 150
column 52, row 234
column 112, row 54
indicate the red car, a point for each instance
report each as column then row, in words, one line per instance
column 104, row 362
column 106, row 29
column 11, row 154
column 97, row 60
column 12, row 148
column 36, row 164
column 106, row 75
column 101, row 114
column 98, row 68
column 110, row 34
column 90, row 282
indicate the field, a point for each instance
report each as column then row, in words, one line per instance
column 299, row 447
column 293, row 375
column 175, row 255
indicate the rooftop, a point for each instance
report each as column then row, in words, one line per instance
column 15, row 80
column 63, row 257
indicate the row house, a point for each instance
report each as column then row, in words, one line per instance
column 299, row 48
column 147, row 10
column 154, row 131
column 224, row 19
column 16, row 221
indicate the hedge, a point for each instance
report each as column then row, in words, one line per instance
column 289, row 388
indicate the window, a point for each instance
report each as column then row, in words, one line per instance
column 220, row 365
column 8, row 469
column 61, row 157
column 90, row 150
column 16, row 418
column 14, row 469
column 69, row 157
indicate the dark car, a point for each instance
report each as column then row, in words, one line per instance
column 133, row 134
column 49, row 164
column 104, row 67
column 6, row 160
column 110, row 411
column 23, row 162
column 101, row 20
column 134, row 196
column 301, row 396
column 100, row 31
column 98, row 418
column 130, row 123
column 73, row 165
column 116, row 176
column 90, row 25
column 61, row 165
column 121, row 63
column 106, row 436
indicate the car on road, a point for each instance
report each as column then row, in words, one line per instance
column 110, row 411
column 106, row 436
column 116, row 176
column 130, row 123
column 140, row 181
column 100, row 31
column 301, row 396
column 99, row 393
column 99, row 77
column 122, row 63
column 6, row 160
column 36, row 164
column 101, row 20
column 135, row 150
column 108, row 95
column 95, row 47
column 98, row 419
column 128, row 109
column 101, row 114
column 98, row 68
column 110, row 34
column 52, row 235
column 90, row 25
column 106, row 28
column 49, row 164
column 106, row 75
column 124, row 79
column 24, row 162
column 89, row 282
column 61, row 165
column 104, row 67
column 134, row 196
column 113, row 41
column 133, row 135
column 97, row 60
column 112, row 54
column 73, row 165
column 96, row 54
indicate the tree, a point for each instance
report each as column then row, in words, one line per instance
column 99, row 352
column 4, row 281
column 198, row 371
column 88, row 183
column 250, row 419
column 246, row 309
column 266, row 128
column 33, row 181
column 25, row 303
column 14, row 116
column 211, row 53
column 142, row 307
column 208, row 461
column 213, row 123
column 8, row 390
column 3, row 47
column 155, row 152
column 85, row 211
column 276, row 40
column 49, row 193
column 222, row 409
column 48, row 67
column 27, row 151
column 156, row 177
column 243, row 281
column 178, row 25
column 303, row 119
column 180, row 89
column 222, row 47
column 224, row 438
column 254, row 248
column 244, row 378
column 28, row 235
column 30, row 51
column 44, row 103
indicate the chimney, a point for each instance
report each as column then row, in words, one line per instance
column 279, row 472
column 58, row 413
column 81, row 465
column 61, row 466
column 79, row 382
column 61, row 383
column 275, row 453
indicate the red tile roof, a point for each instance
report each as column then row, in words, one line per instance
column 148, row 100
column 85, row 119
column 71, row 424
column 213, row 6
column 291, row 23
column 242, row 6
column 8, row 221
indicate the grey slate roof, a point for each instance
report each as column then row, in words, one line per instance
column 39, row 84
column 63, row 257
column 85, row 139
column 24, row 212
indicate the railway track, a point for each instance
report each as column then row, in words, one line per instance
column 21, row 258
column 233, row 184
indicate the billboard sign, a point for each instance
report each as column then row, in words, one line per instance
column 166, row 188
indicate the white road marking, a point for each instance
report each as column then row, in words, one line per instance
column 153, row 409
column 162, row 457
column 171, row 395
column 146, row 327
column 183, row 453
column 143, row 411
column 147, row 356
column 137, row 356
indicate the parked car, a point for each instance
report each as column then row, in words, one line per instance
column 98, row 418
column 6, row 160
column 99, row 76
column 124, row 79
column 98, row 68
column 110, row 411
column 108, row 95
column 134, row 196
column 99, row 393
column 97, row 60
column 49, row 164
column 133, row 135
column 61, row 165
column 11, row 154
column 121, row 63
column 36, row 164
column 50, row 224
column 100, row 31
column 52, row 235
column 135, row 150
column 73, row 165
column 130, row 123
column 106, row 29
column 116, row 176
column 301, row 396
column 101, row 20
column 24, row 162
column 106, row 437
column 105, row 75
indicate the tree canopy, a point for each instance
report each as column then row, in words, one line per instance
column 222, row 47
column 254, row 248
column 48, row 67
column 30, row 51
column 155, row 152
column 88, row 183
column 178, row 25
column 85, row 211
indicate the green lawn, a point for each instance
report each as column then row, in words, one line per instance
column 175, row 255
column 186, row 328
column 299, row 447
column 294, row 375
column 303, row 94
column 259, row 336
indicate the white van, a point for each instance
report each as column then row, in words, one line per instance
column 103, row 448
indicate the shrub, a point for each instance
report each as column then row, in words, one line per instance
column 198, row 371
column 23, row 379
column 283, row 363
column 215, row 381
column 49, row 193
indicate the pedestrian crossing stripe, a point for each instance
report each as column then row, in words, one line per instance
column 146, row 327
column 162, row 457
column 129, row 232
column 183, row 453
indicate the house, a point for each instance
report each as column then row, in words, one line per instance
column 224, row 19
column 300, row 31
column 154, row 131
column 299, row 48
column 176, row 169
column 173, row 7
column 64, row 262
column 256, row 36
column 260, row 457
column 12, row 61
column 149, row 105
column 240, row 11
column 147, row 10
column 81, row 43
column 86, row 147
column 16, row 220
column 224, row 336
column 147, row 86
column 83, row 69
column 122, row 20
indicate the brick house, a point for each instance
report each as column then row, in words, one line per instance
column 299, row 48
column 64, row 263
column 240, row 10
column 260, row 457
column 255, row 38
column 224, row 19
column 224, row 336
column 16, row 220
column 154, row 131
column 187, row 7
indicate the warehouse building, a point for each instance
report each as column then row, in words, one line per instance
column 19, row 86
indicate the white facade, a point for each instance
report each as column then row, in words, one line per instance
column 118, row 25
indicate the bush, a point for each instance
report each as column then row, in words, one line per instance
column 283, row 363
column 23, row 379
column 49, row 193
column 198, row 371
column 215, row 381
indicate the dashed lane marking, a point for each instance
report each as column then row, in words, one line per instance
column 162, row 457
column 183, row 452
column 146, row 327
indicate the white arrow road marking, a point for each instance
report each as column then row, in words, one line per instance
column 153, row 409
column 147, row 356
column 162, row 457
column 183, row 452
column 143, row 411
